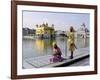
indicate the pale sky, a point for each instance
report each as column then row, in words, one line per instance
column 61, row 20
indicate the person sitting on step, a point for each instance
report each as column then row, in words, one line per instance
column 56, row 54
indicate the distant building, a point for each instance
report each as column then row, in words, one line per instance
column 83, row 32
column 27, row 31
column 60, row 33
column 45, row 31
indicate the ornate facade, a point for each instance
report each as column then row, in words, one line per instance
column 44, row 31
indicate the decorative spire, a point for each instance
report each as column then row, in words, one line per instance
column 52, row 25
column 46, row 24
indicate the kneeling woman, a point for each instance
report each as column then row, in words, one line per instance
column 56, row 54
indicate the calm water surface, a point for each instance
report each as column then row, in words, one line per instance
column 40, row 47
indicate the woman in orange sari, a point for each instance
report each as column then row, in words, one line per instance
column 71, row 41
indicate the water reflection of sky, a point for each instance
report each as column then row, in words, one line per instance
column 40, row 47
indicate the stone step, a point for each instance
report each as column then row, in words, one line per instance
column 44, row 61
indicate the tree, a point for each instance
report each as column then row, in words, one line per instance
column 37, row 25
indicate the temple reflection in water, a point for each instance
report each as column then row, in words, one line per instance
column 40, row 47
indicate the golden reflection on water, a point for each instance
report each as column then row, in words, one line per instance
column 43, row 44
column 39, row 44
column 40, row 47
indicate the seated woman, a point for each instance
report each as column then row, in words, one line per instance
column 56, row 54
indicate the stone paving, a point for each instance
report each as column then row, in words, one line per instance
column 44, row 61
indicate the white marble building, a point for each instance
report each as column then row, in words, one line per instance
column 83, row 32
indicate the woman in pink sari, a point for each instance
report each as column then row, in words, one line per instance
column 56, row 54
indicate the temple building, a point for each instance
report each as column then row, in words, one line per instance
column 45, row 31
column 83, row 32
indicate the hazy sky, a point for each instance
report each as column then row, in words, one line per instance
column 61, row 20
